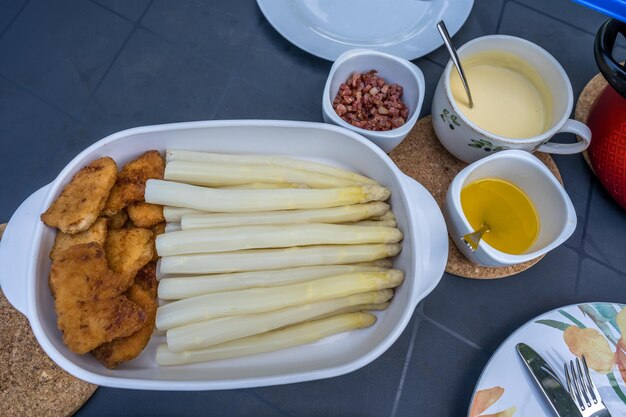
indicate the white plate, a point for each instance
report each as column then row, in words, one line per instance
column 328, row 28
column 506, row 370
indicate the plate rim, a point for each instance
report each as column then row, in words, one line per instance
column 518, row 330
column 465, row 7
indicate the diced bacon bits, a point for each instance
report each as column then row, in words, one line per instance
column 368, row 102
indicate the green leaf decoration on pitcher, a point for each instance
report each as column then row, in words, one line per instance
column 485, row 145
column 449, row 118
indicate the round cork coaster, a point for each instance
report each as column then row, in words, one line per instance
column 423, row 158
column 586, row 100
column 30, row 383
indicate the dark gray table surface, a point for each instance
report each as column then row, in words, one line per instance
column 74, row 71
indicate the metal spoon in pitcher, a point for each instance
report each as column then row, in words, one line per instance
column 443, row 31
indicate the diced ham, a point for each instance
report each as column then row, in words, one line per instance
column 367, row 101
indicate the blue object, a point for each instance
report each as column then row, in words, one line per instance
column 612, row 8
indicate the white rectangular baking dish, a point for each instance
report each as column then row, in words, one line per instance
column 27, row 242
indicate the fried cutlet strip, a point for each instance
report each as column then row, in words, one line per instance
column 87, row 325
column 129, row 224
column 131, row 181
column 143, row 293
column 128, row 250
column 88, row 301
column 145, row 214
column 82, row 273
column 156, row 230
column 96, row 233
column 117, row 220
column 83, row 198
column 146, row 279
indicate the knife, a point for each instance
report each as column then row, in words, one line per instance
column 542, row 373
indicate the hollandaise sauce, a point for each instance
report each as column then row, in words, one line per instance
column 511, row 216
column 510, row 97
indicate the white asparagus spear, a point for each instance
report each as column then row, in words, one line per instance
column 341, row 214
column 365, row 307
column 360, row 307
column 225, row 239
column 207, row 333
column 381, row 263
column 160, row 275
column 214, row 199
column 271, row 160
column 175, row 214
column 262, row 186
column 257, row 300
column 388, row 215
column 379, row 223
column 172, row 227
column 225, row 174
column 176, row 288
column 297, row 335
column 261, row 259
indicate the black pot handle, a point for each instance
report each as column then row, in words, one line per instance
column 613, row 71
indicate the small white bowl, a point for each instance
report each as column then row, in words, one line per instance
column 557, row 218
column 394, row 70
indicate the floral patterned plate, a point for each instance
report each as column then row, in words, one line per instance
column 597, row 330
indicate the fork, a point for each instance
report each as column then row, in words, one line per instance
column 583, row 391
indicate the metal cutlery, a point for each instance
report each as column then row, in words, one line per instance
column 472, row 240
column 556, row 394
column 583, row 391
column 443, row 31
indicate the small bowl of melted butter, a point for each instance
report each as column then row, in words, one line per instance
column 527, row 210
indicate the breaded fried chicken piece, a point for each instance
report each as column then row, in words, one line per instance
column 88, row 301
column 86, row 326
column 96, row 233
column 143, row 293
column 129, row 223
column 131, row 181
column 146, row 279
column 156, row 230
column 82, row 200
column 82, row 273
column 145, row 214
column 128, row 250
column 117, row 220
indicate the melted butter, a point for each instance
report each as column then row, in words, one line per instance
column 511, row 216
column 510, row 97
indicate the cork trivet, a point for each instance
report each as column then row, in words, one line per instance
column 586, row 100
column 30, row 383
column 423, row 158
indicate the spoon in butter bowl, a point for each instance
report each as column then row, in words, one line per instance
column 473, row 239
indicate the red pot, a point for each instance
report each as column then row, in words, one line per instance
column 607, row 117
